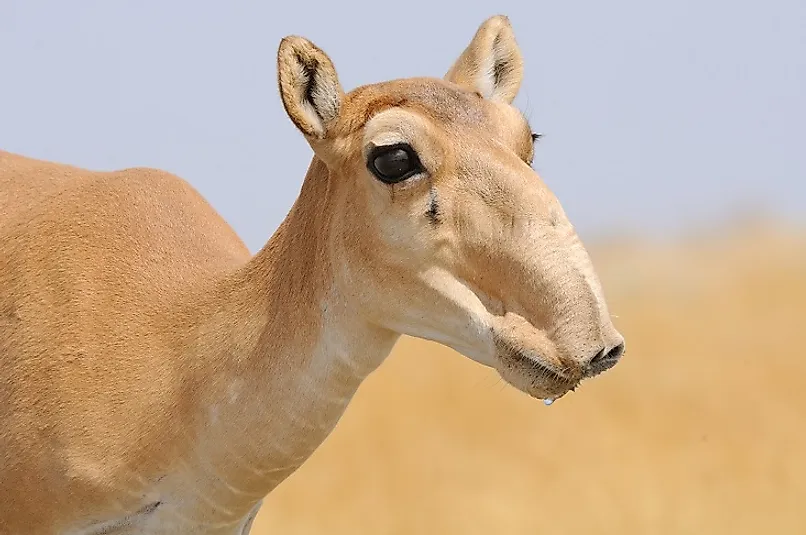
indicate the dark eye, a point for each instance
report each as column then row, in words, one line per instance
column 536, row 137
column 393, row 163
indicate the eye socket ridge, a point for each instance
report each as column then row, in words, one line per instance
column 394, row 163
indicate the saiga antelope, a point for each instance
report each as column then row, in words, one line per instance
column 155, row 377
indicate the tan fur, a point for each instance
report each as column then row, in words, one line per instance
column 155, row 378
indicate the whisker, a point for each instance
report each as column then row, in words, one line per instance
column 543, row 370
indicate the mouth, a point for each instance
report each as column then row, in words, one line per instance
column 540, row 371
column 535, row 377
column 527, row 360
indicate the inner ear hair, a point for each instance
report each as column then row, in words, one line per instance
column 491, row 65
column 507, row 66
column 309, row 86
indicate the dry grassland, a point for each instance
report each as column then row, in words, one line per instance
column 700, row 430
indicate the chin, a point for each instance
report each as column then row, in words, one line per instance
column 528, row 360
column 534, row 379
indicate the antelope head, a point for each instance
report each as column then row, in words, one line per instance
column 442, row 228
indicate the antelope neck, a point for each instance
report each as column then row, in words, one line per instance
column 288, row 351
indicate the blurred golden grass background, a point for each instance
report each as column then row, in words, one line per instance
column 701, row 429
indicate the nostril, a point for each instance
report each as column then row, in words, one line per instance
column 605, row 356
column 616, row 352
column 598, row 357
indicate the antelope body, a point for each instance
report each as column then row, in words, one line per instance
column 155, row 377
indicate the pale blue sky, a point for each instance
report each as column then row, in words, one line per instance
column 657, row 116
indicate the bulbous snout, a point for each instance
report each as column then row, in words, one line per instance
column 558, row 331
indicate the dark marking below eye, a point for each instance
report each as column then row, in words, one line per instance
column 150, row 508
column 433, row 208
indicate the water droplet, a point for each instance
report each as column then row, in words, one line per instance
column 548, row 401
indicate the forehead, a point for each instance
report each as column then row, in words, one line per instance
column 443, row 103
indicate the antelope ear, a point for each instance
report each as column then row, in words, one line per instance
column 492, row 64
column 309, row 86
